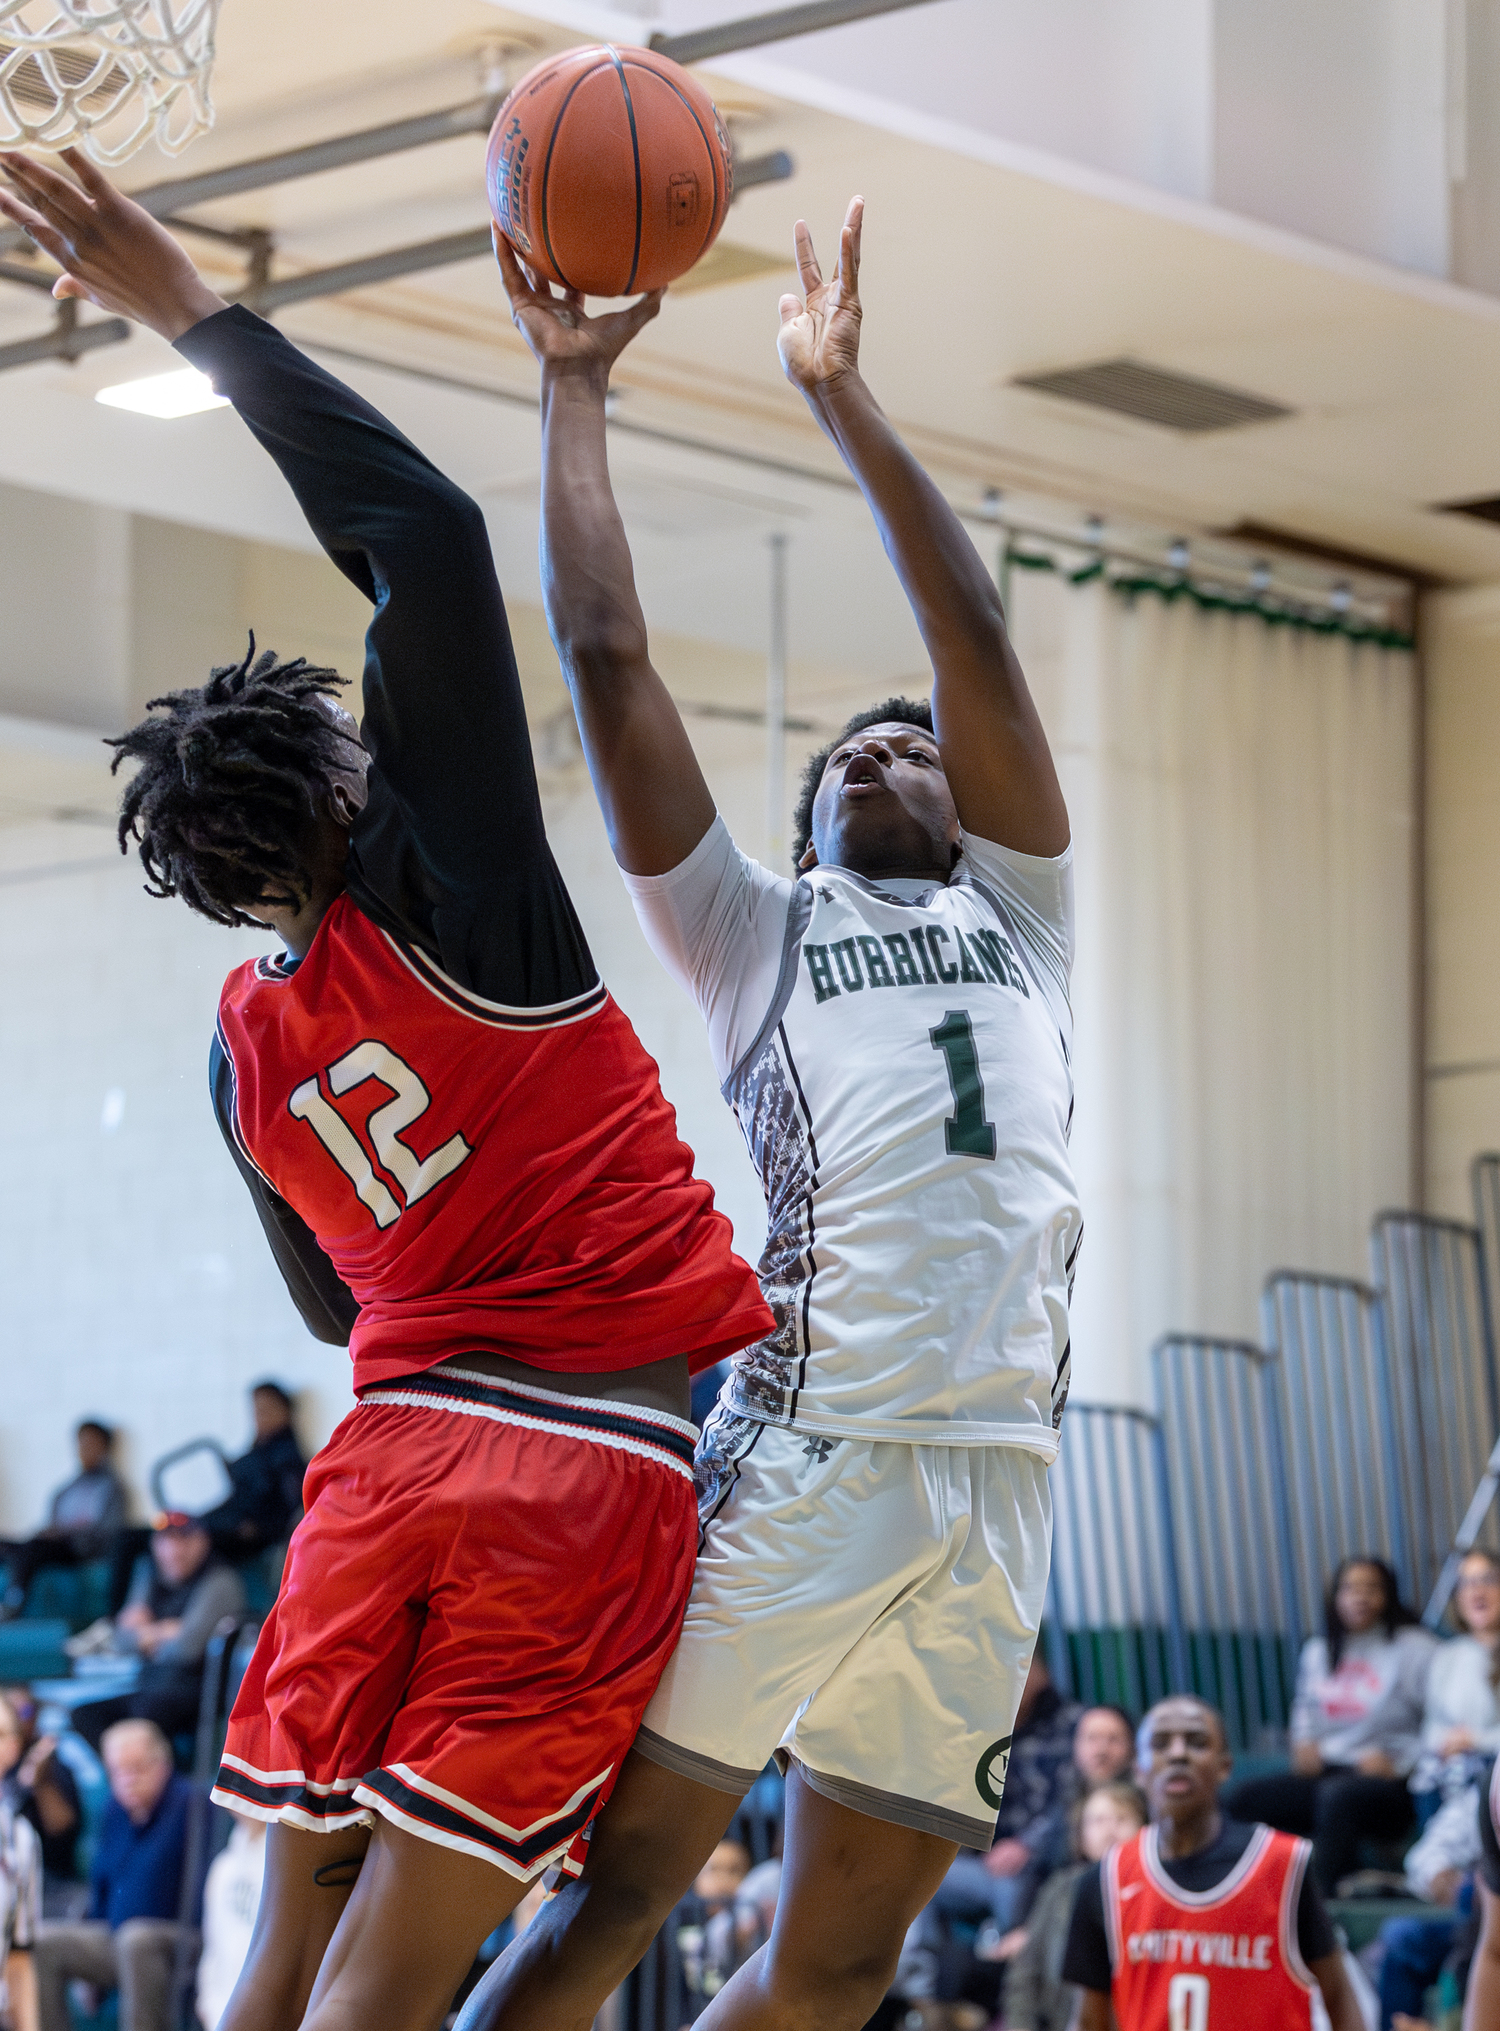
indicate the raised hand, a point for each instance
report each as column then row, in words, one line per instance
column 112, row 252
column 553, row 323
column 819, row 337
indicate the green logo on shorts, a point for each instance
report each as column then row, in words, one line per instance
column 989, row 1777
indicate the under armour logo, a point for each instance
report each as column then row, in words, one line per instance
column 825, row 895
column 818, row 1449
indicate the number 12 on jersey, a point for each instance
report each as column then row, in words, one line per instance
column 415, row 1176
column 966, row 1130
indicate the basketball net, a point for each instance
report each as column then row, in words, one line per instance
column 105, row 75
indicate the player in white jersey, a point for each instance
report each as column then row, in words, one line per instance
column 892, row 1030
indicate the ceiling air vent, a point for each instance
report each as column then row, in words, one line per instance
column 1152, row 395
column 1485, row 509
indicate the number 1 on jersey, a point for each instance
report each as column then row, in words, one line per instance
column 966, row 1130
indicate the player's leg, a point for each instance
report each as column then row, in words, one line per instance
column 308, row 1882
column 648, row 1844
column 802, row 1550
column 899, row 1756
column 408, row 1936
column 850, row 1888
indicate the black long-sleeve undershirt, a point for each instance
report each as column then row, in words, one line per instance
column 450, row 852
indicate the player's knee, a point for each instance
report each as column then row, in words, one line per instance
column 837, row 1988
column 620, row 1901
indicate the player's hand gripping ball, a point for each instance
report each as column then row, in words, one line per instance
column 609, row 170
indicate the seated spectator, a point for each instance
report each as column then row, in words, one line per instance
column 20, row 1917
column 1414, row 1952
column 1042, row 1781
column 172, row 1611
column 84, row 1518
column 1201, row 1885
column 231, row 1898
column 1356, row 1726
column 1461, row 1709
column 133, row 1939
column 266, row 1498
column 710, row 1945
column 1103, row 1753
column 1036, row 1996
column 37, row 1785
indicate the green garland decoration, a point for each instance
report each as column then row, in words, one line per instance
column 1132, row 587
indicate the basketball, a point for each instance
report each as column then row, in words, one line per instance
column 609, row 170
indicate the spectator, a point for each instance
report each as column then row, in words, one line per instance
column 37, row 1785
column 132, row 1939
column 266, row 1497
column 231, row 1898
column 1103, row 1752
column 1197, row 1881
column 20, row 1917
column 1460, row 1733
column 710, row 1942
column 1036, row 1996
column 83, row 1521
column 1356, row 1726
column 1461, row 1710
column 1414, row 1951
column 172, row 1611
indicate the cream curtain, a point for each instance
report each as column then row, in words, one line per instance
column 1242, row 807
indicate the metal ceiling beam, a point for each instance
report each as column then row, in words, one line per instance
column 66, row 341
column 261, row 172
column 753, row 31
column 412, row 260
column 69, row 338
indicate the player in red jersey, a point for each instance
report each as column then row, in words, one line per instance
column 466, row 1169
column 1199, row 1924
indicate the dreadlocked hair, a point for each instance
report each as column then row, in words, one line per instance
column 909, row 711
column 229, row 781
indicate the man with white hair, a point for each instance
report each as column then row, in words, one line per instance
column 133, row 1934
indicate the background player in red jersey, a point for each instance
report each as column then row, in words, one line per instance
column 1199, row 1923
column 466, row 1168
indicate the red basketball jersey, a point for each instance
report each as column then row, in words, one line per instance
column 1211, row 1960
column 481, row 1177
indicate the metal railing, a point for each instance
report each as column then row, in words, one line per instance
column 1225, row 1479
column 1344, row 1480
column 1430, row 1276
column 1112, row 1627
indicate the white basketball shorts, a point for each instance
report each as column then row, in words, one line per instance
column 866, row 1610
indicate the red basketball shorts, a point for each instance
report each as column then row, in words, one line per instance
column 476, row 1607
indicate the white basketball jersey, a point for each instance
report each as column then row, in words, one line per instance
column 908, row 1105
column 906, row 1096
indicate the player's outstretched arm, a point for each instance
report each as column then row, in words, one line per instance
column 994, row 751
column 655, row 802
column 444, row 718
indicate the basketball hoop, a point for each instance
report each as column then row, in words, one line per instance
column 105, row 75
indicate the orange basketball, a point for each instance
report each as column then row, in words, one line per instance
column 609, row 170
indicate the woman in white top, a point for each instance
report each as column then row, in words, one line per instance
column 1461, row 1711
column 1460, row 1733
column 1356, row 1726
